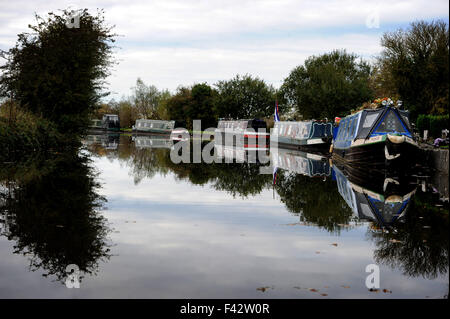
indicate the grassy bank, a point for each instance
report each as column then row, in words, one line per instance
column 26, row 133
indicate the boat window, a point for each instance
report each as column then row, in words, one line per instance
column 370, row 120
column 390, row 123
column 344, row 130
column 354, row 122
column 347, row 131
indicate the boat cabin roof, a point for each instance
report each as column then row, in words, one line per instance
column 242, row 124
column 367, row 123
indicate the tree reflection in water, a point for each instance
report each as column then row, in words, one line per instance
column 417, row 243
column 315, row 199
column 409, row 227
column 51, row 209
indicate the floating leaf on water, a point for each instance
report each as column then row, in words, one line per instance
column 324, row 294
column 345, row 286
column 263, row 289
column 313, row 290
column 317, row 252
column 395, row 241
column 374, row 290
column 387, row 291
column 334, row 244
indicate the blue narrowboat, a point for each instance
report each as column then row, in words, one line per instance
column 375, row 137
column 304, row 134
column 308, row 135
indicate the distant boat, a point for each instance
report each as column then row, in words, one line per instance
column 245, row 133
column 375, row 137
column 154, row 126
column 301, row 135
column 109, row 122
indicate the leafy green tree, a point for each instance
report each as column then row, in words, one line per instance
column 178, row 104
column 196, row 103
column 245, row 97
column 162, row 106
column 418, row 61
column 328, row 85
column 202, row 106
column 127, row 113
column 58, row 71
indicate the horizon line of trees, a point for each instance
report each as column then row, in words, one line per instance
column 413, row 67
column 52, row 74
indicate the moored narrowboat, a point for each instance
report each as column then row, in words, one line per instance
column 308, row 135
column 375, row 138
column 109, row 122
column 244, row 133
column 304, row 134
column 154, row 126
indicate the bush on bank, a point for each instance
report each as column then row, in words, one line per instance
column 433, row 123
column 27, row 133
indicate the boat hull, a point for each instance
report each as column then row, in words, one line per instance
column 248, row 140
column 321, row 145
column 379, row 155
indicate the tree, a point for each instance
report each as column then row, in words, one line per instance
column 418, row 61
column 244, row 97
column 127, row 113
column 328, row 85
column 196, row 103
column 57, row 71
column 202, row 105
column 178, row 104
column 146, row 99
column 162, row 105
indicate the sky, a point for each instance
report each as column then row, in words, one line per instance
column 182, row 42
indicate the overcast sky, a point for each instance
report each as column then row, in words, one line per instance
column 182, row 42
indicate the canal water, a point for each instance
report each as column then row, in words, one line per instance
column 130, row 223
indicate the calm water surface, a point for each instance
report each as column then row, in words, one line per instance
column 139, row 226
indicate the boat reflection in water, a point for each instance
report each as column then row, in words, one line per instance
column 241, row 154
column 152, row 141
column 107, row 141
column 377, row 198
column 299, row 162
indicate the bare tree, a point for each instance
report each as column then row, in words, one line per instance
column 146, row 99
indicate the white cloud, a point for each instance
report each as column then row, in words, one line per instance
column 168, row 43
